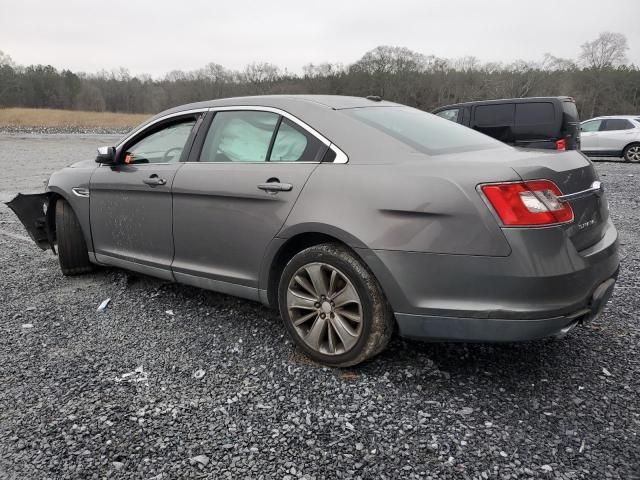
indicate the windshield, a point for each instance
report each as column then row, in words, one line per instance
column 423, row 131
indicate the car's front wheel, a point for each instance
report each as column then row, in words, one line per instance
column 632, row 153
column 72, row 248
column 333, row 307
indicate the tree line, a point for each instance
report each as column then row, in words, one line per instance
column 600, row 79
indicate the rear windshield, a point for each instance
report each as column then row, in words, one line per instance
column 423, row 131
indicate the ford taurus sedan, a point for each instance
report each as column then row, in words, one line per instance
column 354, row 217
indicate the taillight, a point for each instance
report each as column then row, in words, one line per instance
column 532, row 203
column 561, row 144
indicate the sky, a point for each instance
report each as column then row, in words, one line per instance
column 155, row 37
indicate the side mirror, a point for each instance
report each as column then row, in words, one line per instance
column 106, row 155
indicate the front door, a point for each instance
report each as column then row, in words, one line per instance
column 233, row 196
column 130, row 202
column 589, row 136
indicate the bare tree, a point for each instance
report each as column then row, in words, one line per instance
column 261, row 72
column 391, row 60
column 5, row 59
column 606, row 51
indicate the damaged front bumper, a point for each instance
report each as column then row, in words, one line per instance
column 33, row 211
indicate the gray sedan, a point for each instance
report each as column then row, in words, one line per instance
column 354, row 217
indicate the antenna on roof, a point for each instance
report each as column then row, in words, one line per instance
column 374, row 98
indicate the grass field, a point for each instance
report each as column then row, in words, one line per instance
column 44, row 117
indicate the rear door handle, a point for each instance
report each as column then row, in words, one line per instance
column 154, row 181
column 275, row 187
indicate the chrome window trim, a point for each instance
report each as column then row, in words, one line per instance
column 157, row 120
column 341, row 157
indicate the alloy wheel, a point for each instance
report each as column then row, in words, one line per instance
column 324, row 308
column 633, row 154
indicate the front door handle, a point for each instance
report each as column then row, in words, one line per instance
column 154, row 181
column 274, row 187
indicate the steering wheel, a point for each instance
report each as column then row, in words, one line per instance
column 168, row 154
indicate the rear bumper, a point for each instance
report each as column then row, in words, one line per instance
column 543, row 287
column 501, row 330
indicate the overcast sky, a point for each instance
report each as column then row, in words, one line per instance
column 155, row 37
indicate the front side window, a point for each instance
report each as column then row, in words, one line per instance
column 451, row 114
column 162, row 146
column 617, row 124
column 592, row 126
column 423, row 131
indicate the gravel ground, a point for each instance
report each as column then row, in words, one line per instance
column 175, row 382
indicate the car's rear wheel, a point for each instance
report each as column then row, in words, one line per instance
column 72, row 249
column 632, row 153
column 333, row 307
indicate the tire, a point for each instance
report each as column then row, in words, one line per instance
column 332, row 335
column 631, row 153
column 72, row 249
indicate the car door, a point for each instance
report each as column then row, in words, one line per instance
column 231, row 198
column 615, row 134
column 130, row 201
column 589, row 135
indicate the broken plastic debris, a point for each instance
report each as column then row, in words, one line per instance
column 607, row 372
column 138, row 375
column 169, row 312
column 27, row 325
column 201, row 459
column 198, row 374
column 102, row 307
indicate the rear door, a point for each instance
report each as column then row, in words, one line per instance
column 130, row 203
column 247, row 168
column 615, row 134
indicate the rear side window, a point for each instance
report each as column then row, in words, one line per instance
column 534, row 113
column 294, row 144
column 494, row 115
column 239, row 137
column 451, row 114
column 616, row 124
column 255, row 136
column 420, row 130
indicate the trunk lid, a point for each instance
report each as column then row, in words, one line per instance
column 571, row 172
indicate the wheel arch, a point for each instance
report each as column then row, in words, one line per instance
column 628, row 145
column 55, row 194
column 282, row 249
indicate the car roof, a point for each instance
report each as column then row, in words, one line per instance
column 334, row 102
column 506, row 100
column 603, row 117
